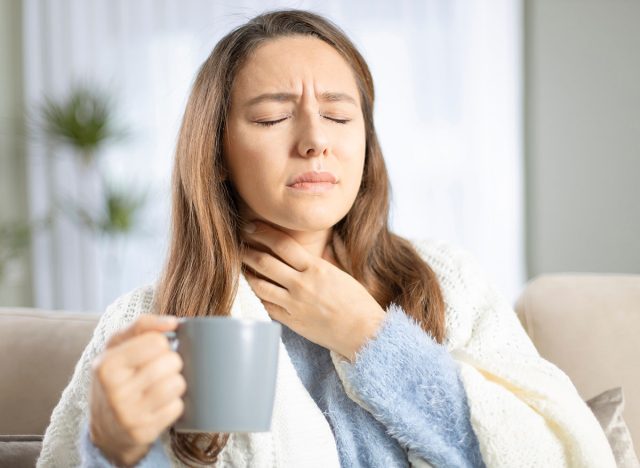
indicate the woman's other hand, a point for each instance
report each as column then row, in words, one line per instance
column 136, row 389
column 309, row 294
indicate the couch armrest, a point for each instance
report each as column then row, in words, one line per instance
column 587, row 325
column 39, row 351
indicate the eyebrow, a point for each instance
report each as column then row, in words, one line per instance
column 327, row 96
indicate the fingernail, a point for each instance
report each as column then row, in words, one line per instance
column 249, row 227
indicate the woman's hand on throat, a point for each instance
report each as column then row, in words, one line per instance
column 310, row 295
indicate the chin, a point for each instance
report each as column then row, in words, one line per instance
column 308, row 226
column 308, row 222
column 304, row 217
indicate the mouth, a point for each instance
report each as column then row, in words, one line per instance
column 312, row 187
column 313, row 178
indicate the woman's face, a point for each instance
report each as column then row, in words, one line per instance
column 315, row 91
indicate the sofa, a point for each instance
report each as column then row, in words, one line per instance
column 585, row 324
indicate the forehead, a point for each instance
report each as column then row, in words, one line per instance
column 289, row 63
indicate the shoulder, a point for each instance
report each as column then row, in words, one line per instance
column 134, row 302
column 124, row 310
column 455, row 266
column 466, row 288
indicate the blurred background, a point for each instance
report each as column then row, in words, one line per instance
column 510, row 128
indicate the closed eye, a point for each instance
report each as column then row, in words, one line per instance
column 273, row 122
column 341, row 121
column 268, row 123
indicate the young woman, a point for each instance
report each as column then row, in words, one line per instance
column 394, row 353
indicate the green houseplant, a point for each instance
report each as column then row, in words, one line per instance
column 84, row 121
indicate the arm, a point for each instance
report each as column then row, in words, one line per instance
column 60, row 444
column 410, row 383
column 92, row 457
column 524, row 410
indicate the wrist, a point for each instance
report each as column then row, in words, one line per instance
column 128, row 457
column 119, row 456
column 133, row 456
column 366, row 330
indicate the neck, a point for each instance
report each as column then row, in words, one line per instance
column 314, row 242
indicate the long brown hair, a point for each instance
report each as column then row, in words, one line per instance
column 204, row 262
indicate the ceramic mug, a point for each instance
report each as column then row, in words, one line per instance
column 230, row 366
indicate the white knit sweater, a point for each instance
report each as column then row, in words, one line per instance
column 524, row 410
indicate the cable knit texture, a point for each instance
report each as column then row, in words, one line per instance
column 92, row 457
column 523, row 409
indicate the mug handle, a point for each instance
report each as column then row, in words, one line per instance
column 173, row 339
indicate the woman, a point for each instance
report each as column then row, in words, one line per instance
column 403, row 352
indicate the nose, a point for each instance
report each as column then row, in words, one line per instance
column 313, row 140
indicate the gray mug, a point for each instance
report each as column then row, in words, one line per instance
column 230, row 366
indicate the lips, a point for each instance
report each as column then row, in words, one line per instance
column 314, row 177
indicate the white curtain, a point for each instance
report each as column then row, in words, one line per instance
column 448, row 107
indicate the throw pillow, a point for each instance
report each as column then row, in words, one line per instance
column 607, row 408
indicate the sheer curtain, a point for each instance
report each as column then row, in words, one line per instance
column 447, row 77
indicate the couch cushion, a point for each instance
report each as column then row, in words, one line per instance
column 39, row 350
column 588, row 326
column 20, row 451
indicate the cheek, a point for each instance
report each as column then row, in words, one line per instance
column 352, row 153
column 250, row 157
column 259, row 167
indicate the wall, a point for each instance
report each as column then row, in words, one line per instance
column 16, row 289
column 582, row 135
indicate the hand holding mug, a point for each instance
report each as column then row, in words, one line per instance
column 136, row 389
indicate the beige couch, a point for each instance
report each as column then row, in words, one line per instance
column 585, row 324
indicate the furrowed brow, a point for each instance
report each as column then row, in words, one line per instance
column 277, row 97
column 327, row 96
column 337, row 97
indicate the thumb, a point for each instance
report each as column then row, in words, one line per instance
column 144, row 323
